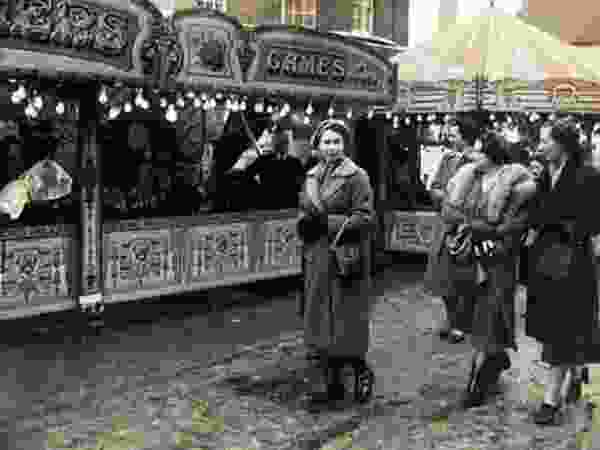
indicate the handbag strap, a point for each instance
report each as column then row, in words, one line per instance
column 339, row 233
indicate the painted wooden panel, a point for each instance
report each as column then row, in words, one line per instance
column 140, row 261
column 411, row 231
column 215, row 252
column 281, row 245
column 35, row 275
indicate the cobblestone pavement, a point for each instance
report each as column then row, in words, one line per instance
column 238, row 379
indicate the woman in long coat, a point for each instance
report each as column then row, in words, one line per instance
column 336, row 311
column 562, row 312
column 486, row 201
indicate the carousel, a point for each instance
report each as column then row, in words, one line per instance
column 500, row 71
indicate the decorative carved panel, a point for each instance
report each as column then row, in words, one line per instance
column 140, row 260
column 216, row 251
column 34, row 272
column 282, row 245
column 79, row 28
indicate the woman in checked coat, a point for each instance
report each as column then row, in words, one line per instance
column 335, row 310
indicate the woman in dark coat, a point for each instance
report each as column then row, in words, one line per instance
column 486, row 201
column 562, row 312
column 336, row 310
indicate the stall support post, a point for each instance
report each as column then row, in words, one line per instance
column 90, row 298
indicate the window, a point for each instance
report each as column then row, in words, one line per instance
column 362, row 16
column 218, row 5
column 300, row 12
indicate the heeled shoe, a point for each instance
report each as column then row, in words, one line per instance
column 473, row 395
column 364, row 381
column 456, row 336
column 575, row 391
column 546, row 414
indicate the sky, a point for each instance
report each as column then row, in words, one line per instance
column 423, row 22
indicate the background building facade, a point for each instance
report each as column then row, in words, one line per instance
column 382, row 18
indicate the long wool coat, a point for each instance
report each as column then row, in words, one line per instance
column 336, row 312
column 486, row 310
column 436, row 275
column 564, row 313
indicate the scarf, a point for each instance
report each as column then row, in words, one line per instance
column 511, row 186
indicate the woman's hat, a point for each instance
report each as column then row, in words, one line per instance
column 336, row 125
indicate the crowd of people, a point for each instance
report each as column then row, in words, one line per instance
column 508, row 218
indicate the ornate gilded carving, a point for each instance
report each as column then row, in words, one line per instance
column 71, row 24
column 35, row 268
column 282, row 246
column 111, row 34
column 33, row 20
column 246, row 53
column 219, row 250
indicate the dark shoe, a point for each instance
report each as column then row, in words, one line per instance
column 456, row 336
column 575, row 391
column 443, row 333
column 473, row 395
column 546, row 415
column 364, row 380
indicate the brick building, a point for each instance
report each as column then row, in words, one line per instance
column 387, row 19
column 575, row 23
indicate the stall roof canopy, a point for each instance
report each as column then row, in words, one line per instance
column 88, row 38
column 279, row 60
column 493, row 46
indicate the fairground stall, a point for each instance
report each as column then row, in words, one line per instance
column 174, row 217
column 54, row 56
column 497, row 70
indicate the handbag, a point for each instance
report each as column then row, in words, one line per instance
column 460, row 246
column 347, row 257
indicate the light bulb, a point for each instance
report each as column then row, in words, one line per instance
column 419, row 118
column 509, row 119
column 204, row 97
column 197, row 103
column 60, row 108
column 38, row 102
column 270, row 109
column 139, row 99
column 30, row 111
column 243, row 105
column 114, row 112
column 180, row 102
column 219, row 96
column 287, row 108
column 309, row 109
column 127, row 107
column 306, row 120
column 163, row 102
column 228, row 104
column 190, row 95
column 492, row 117
column 447, row 118
column 145, row 104
column 206, row 106
column 213, row 103
column 16, row 98
column 259, row 107
column 235, row 106
column 407, row 121
column 349, row 114
column 370, row 114
column 388, row 115
column 171, row 114
column 330, row 111
column 103, row 97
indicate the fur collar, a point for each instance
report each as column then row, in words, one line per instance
column 346, row 168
